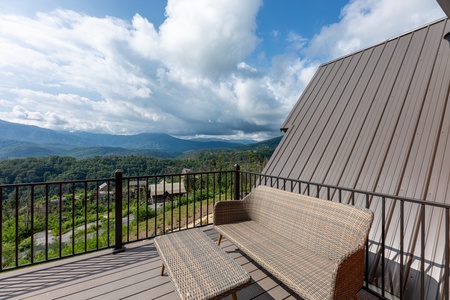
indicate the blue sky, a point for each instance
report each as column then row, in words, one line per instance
column 230, row 69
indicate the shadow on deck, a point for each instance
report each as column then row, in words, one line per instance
column 133, row 274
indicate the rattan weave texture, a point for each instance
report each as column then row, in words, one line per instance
column 198, row 267
column 315, row 247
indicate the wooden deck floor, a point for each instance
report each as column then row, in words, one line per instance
column 133, row 274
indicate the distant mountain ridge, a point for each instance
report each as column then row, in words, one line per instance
column 20, row 141
column 34, row 134
column 156, row 141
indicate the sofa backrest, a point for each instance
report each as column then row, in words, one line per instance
column 332, row 229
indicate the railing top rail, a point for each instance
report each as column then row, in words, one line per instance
column 176, row 174
column 369, row 193
column 13, row 185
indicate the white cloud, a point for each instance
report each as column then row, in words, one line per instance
column 103, row 74
column 297, row 41
column 364, row 23
column 200, row 38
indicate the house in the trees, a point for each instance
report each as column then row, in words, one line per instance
column 166, row 191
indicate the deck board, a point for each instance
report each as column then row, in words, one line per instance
column 133, row 274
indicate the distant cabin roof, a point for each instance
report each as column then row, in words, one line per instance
column 171, row 188
column 379, row 120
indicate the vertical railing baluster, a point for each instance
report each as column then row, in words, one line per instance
column 60, row 218
column 383, row 245
column 179, row 202
column 128, row 211
column 214, row 189
column 402, row 245
column 97, row 199
column 171, row 201
column 147, row 202
column 248, row 183
column 422, row 251
column 207, row 199
column 155, row 201
column 17, row 225
column 164, row 203
column 231, row 186
column 85, row 202
column 32, row 224
column 138, row 203
column 46, row 221
column 366, row 265
column 118, row 246
column 187, row 200
column 201, row 198
column 219, row 182
column 237, row 169
column 73, row 218
column 226, row 185
column 446, row 256
column 194, row 199
column 108, row 200
column 1, row 228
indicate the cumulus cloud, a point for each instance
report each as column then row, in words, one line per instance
column 208, row 39
column 364, row 23
column 190, row 76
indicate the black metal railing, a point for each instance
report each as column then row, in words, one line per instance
column 40, row 222
column 45, row 221
column 407, row 255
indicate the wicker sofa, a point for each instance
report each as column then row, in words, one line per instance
column 314, row 246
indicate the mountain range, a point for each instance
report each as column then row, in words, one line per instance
column 19, row 141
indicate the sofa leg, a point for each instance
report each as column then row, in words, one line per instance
column 233, row 296
column 355, row 297
column 162, row 269
column 219, row 240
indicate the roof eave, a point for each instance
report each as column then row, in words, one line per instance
column 445, row 5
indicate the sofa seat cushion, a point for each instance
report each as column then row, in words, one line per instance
column 306, row 272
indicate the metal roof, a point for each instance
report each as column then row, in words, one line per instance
column 159, row 189
column 378, row 120
column 445, row 5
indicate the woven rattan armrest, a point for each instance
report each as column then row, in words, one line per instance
column 230, row 211
column 350, row 274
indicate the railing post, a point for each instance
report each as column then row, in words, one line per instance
column 237, row 182
column 118, row 246
column 1, row 228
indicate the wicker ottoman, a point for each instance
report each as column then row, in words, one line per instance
column 199, row 268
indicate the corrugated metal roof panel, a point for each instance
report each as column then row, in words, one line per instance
column 379, row 120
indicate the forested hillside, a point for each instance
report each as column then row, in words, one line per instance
column 57, row 168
